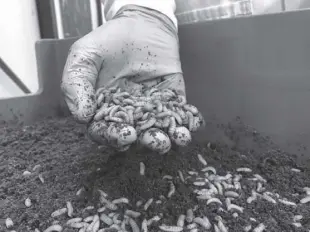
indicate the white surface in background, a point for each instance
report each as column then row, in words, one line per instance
column 8, row 88
column 19, row 32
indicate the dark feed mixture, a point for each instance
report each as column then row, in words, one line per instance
column 66, row 161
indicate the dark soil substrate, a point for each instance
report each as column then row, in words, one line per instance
column 69, row 161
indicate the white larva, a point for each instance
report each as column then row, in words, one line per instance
column 260, row 178
column 28, row 202
column 286, row 202
column 105, row 219
column 148, row 204
column 36, row 167
column 210, row 168
column 253, row 219
column 213, row 188
column 133, row 225
column 199, row 183
column 132, row 213
column 69, row 209
column 295, row 170
column 181, row 176
column 306, row 189
column 297, row 224
column 168, row 177
column 214, row 200
column 94, row 223
column 260, row 228
column 142, row 169
column 191, row 109
column 227, row 201
column 79, row 192
column 36, row 230
column 194, row 230
column 192, row 173
column 202, row 160
column 89, row 208
column 59, row 212
column 270, row 199
column 171, row 189
column 121, row 200
column 231, row 194
column 181, row 220
column 153, row 219
column 191, row 226
column 305, row 200
column 259, row 187
column 54, row 228
column 78, row 225
column 227, row 186
column 235, row 207
column 237, row 185
column 189, row 215
column 204, row 197
column 235, row 215
column 26, row 173
column 144, row 226
column 139, row 203
column 74, row 220
column 101, row 210
column 204, row 222
column 297, row 218
column 9, row 223
column 167, row 228
column 148, row 124
column 158, row 202
column 244, row 170
column 41, row 178
column 172, row 126
column 96, row 226
column 247, row 228
column 111, row 214
column 109, row 204
column 221, row 226
column 88, row 219
column 219, row 188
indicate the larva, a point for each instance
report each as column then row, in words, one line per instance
column 101, row 210
column 191, row 226
column 164, row 114
column 9, row 223
column 199, row 183
column 93, row 224
column 128, row 101
column 260, row 178
column 190, row 120
column 177, row 118
column 167, row 228
column 214, row 200
column 28, row 202
column 181, row 100
column 192, row 173
column 111, row 214
column 171, row 189
column 204, row 222
column 305, row 200
column 130, row 117
column 148, row 203
column 159, row 124
column 259, row 187
column 289, row 203
column 270, row 199
column 159, row 106
column 231, row 194
column 202, row 160
column 100, row 99
column 79, row 192
column 145, row 116
column 102, row 193
column 139, row 203
column 209, row 169
column 181, row 176
column 244, row 170
column 144, row 226
column 297, row 217
column 109, row 204
column 142, row 169
column 74, row 220
column 54, row 228
column 153, row 219
column 59, row 212
column 219, row 188
column 78, row 225
column 181, row 220
column 137, row 110
column 148, row 124
column 132, row 214
column 122, row 94
column 235, row 207
column 297, row 224
column 41, row 178
column 247, row 228
column 204, row 197
column 113, row 119
column 221, row 226
column 114, row 110
column 69, row 209
column 133, row 225
column 189, row 215
column 151, row 92
column 116, row 220
column 166, row 122
column 121, row 200
column 123, row 115
column 216, row 228
column 167, row 177
column 105, row 219
column 260, row 228
column 190, row 108
column 26, row 173
column 172, row 126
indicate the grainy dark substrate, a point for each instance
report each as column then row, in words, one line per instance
column 69, row 161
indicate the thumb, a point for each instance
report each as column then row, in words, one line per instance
column 79, row 78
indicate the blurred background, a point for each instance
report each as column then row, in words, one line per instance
column 23, row 22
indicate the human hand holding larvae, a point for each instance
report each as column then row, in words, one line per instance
column 154, row 118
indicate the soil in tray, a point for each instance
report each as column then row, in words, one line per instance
column 69, row 162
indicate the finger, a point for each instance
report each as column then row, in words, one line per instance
column 79, row 78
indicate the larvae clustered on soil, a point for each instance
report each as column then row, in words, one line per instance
column 154, row 118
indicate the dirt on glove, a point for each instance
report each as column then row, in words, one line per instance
column 69, row 162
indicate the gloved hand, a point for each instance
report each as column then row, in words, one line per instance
column 133, row 50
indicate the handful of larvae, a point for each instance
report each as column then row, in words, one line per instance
column 164, row 110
